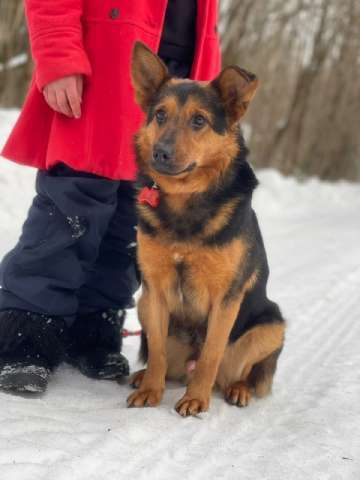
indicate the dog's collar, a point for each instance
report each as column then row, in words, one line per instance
column 150, row 195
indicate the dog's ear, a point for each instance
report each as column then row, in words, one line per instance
column 148, row 73
column 236, row 88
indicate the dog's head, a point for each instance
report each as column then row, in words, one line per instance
column 190, row 134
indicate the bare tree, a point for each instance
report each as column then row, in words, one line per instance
column 15, row 64
column 306, row 117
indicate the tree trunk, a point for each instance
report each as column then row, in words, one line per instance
column 15, row 63
column 306, row 115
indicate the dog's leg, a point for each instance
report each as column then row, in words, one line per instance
column 136, row 378
column 154, row 318
column 197, row 396
column 177, row 355
column 249, row 363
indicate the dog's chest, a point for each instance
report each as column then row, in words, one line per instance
column 187, row 298
column 182, row 274
column 188, row 275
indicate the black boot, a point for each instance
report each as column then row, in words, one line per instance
column 96, row 343
column 31, row 345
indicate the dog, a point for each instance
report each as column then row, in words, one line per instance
column 204, row 311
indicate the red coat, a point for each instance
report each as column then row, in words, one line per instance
column 95, row 38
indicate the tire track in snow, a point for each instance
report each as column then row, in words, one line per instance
column 303, row 431
column 323, row 330
column 155, row 460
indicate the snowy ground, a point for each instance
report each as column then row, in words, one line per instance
column 308, row 429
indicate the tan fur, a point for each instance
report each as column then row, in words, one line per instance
column 178, row 201
column 251, row 348
column 158, row 263
column 211, row 152
column 149, row 216
column 221, row 219
column 136, row 378
column 178, row 354
column 220, row 323
column 154, row 318
column 193, row 283
column 147, row 74
column 238, row 394
column 237, row 88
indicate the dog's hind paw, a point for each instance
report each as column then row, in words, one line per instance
column 238, row 394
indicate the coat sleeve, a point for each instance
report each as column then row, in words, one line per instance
column 56, row 38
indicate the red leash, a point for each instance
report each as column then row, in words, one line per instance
column 130, row 333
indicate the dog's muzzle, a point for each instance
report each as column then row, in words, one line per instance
column 163, row 161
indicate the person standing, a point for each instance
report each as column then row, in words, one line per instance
column 66, row 284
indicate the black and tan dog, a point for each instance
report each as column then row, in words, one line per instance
column 204, row 311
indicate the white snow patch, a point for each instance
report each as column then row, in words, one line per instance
column 308, row 429
column 14, row 62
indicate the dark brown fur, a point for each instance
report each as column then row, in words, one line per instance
column 200, row 251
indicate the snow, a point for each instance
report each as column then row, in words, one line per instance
column 15, row 62
column 308, row 429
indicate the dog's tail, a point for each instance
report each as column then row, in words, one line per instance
column 262, row 374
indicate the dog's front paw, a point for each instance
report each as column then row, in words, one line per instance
column 189, row 405
column 149, row 397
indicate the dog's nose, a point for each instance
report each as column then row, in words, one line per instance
column 162, row 154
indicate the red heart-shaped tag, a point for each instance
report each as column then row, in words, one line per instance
column 150, row 196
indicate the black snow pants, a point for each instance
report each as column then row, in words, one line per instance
column 76, row 253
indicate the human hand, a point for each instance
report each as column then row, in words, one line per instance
column 65, row 95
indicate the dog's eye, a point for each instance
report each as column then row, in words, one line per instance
column 160, row 116
column 198, row 121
